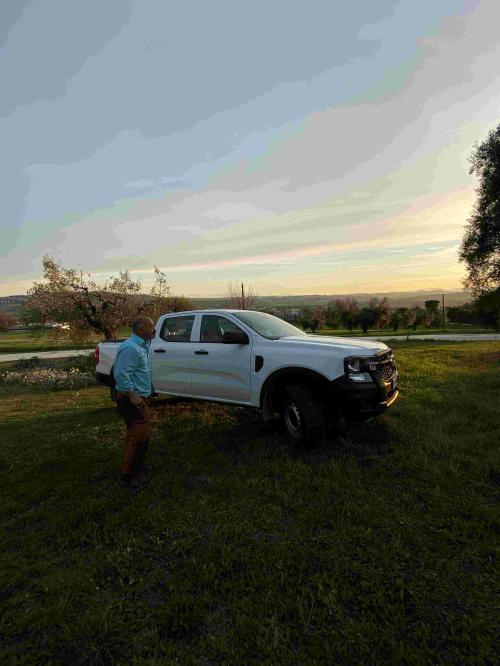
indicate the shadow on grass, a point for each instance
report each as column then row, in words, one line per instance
column 244, row 438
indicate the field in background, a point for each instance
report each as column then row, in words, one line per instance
column 377, row 548
column 403, row 332
column 27, row 341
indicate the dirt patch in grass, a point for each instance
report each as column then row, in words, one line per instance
column 487, row 359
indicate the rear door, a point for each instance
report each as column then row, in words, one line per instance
column 171, row 355
column 220, row 370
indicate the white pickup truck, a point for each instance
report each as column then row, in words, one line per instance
column 253, row 359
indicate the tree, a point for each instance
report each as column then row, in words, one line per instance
column 239, row 297
column 431, row 312
column 463, row 314
column 366, row 318
column 306, row 316
column 383, row 311
column 416, row 316
column 348, row 311
column 480, row 249
column 484, row 310
column 161, row 300
column 6, row 321
column 318, row 318
column 70, row 296
column 305, row 322
column 315, row 324
column 487, row 306
column 399, row 317
column 179, row 304
column 332, row 316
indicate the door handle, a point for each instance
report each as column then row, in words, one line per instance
column 201, row 351
column 159, row 351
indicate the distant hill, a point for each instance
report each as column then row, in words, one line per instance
column 396, row 299
column 13, row 304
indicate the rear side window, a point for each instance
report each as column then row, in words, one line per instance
column 177, row 329
column 213, row 328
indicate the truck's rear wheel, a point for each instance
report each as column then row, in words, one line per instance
column 303, row 416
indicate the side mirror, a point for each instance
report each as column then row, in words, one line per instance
column 235, row 338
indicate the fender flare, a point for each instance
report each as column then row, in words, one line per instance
column 278, row 377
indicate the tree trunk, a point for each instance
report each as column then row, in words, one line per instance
column 109, row 333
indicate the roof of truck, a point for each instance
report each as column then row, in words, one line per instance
column 231, row 311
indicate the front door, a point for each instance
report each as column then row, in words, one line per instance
column 220, row 370
column 171, row 355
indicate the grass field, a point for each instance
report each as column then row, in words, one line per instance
column 403, row 332
column 35, row 341
column 240, row 549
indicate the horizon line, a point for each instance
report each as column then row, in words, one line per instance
column 356, row 293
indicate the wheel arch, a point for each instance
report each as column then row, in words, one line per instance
column 274, row 385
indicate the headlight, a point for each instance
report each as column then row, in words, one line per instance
column 356, row 368
column 354, row 364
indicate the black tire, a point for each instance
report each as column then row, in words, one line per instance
column 302, row 417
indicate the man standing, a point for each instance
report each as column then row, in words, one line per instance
column 132, row 372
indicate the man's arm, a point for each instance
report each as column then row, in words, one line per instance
column 125, row 365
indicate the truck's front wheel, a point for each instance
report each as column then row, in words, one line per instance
column 303, row 416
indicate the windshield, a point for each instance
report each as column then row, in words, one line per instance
column 267, row 325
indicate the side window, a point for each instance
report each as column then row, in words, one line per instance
column 177, row 329
column 213, row 328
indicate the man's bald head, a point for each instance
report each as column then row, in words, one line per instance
column 144, row 327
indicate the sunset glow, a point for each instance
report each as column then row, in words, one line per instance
column 339, row 166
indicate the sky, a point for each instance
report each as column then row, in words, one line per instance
column 299, row 147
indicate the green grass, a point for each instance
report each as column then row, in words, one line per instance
column 240, row 549
column 403, row 332
column 37, row 341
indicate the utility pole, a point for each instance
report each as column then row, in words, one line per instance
column 442, row 296
column 242, row 297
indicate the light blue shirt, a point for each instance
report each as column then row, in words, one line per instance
column 132, row 369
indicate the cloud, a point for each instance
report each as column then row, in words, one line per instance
column 332, row 149
column 235, row 211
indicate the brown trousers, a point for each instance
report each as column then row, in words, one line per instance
column 137, row 434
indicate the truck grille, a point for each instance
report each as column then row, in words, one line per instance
column 386, row 372
column 386, row 365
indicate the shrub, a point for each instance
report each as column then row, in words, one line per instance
column 28, row 363
column 80, row 363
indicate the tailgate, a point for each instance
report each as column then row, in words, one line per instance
column 107, row 353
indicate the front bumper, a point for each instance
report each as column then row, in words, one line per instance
column 362, row 401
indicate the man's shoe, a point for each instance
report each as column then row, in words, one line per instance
column 126, row 480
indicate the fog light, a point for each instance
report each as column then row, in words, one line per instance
column 360, row 377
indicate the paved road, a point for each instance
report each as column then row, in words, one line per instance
column 454, row 337
column 46, row 354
